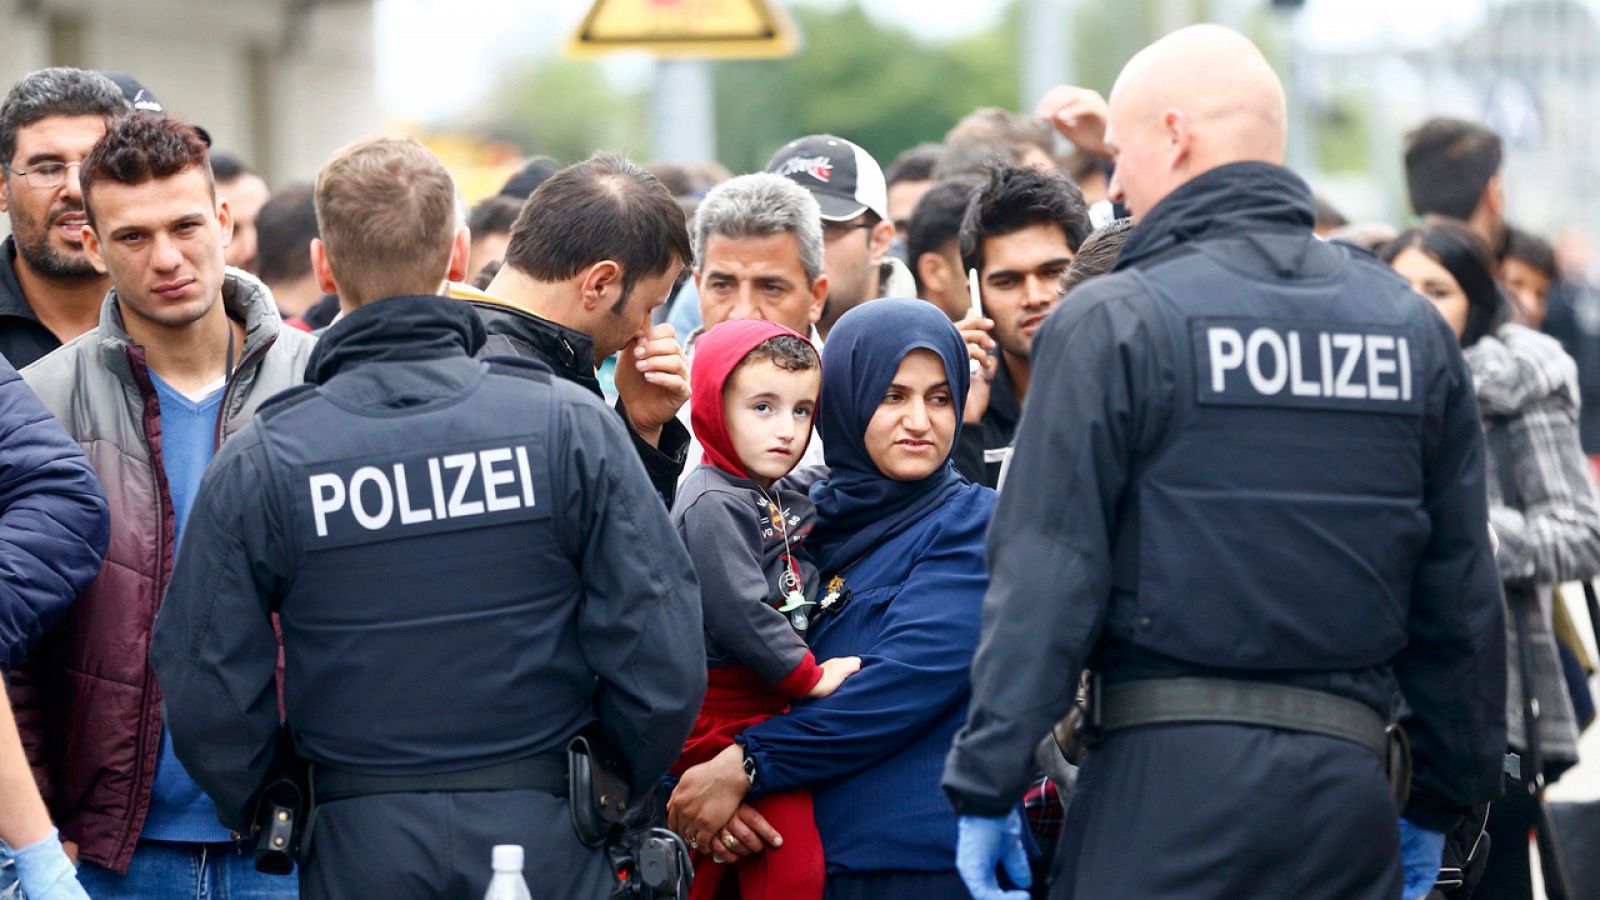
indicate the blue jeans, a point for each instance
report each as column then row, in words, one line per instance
column 185, row 871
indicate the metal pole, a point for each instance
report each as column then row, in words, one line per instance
column 683, row 114
column 1302, row 155
column 1385, row 156
column 1046, row 50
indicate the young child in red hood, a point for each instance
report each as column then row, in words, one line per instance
column 754, row 396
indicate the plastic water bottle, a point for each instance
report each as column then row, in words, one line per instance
column 507, row 883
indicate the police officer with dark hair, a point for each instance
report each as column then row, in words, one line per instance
column 1248, row 493
column 470, row 569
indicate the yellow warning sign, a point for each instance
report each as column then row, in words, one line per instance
column 702, row 29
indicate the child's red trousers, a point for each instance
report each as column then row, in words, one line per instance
column 736, row 699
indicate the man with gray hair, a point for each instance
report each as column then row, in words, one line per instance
column 758, row 255
column 758, row 251
column 49, row 293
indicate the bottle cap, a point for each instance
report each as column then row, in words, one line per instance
column 508, row 858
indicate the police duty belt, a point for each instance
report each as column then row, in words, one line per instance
column 1169, row 701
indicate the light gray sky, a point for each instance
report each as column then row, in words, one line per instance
column 417, row 81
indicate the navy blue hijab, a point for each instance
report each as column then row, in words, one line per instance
column 859, row 507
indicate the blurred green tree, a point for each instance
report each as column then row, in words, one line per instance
column 872, row 82
column 858, row 75
column 566, row 110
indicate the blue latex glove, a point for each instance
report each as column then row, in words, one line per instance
column 45, row 871
column 982, row 843
column 1421, row 852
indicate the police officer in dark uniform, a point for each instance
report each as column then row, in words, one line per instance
column 469, row 566
column 1248, row 493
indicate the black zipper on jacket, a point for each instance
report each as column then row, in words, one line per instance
column 227, row 389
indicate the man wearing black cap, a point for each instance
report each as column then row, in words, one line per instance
column 49, row 293
column 856, row 230
column 1453, row 170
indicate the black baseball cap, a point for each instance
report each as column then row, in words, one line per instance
column 845, row 180
column 142, row 100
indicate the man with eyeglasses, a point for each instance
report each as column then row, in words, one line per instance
column 49, row 293
column 849, row 187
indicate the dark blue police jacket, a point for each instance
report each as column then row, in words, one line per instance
column 1247, row 453
column 54, row 524
column 468, row 562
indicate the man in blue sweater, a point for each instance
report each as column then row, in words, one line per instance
column 184, row 352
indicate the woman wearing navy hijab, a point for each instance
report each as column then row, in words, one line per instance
column 899, row 542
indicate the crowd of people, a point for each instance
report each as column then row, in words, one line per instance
column 1078, row 507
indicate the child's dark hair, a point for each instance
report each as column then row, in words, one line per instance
column 786, row 352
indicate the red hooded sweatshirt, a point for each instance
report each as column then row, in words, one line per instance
column 744, row 540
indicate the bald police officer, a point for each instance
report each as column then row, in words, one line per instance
column 469, row 565
column 1248, row 492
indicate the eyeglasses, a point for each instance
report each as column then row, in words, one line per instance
column 833, row 231
column 46, row 175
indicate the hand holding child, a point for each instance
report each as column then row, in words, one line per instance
column 834, row 672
